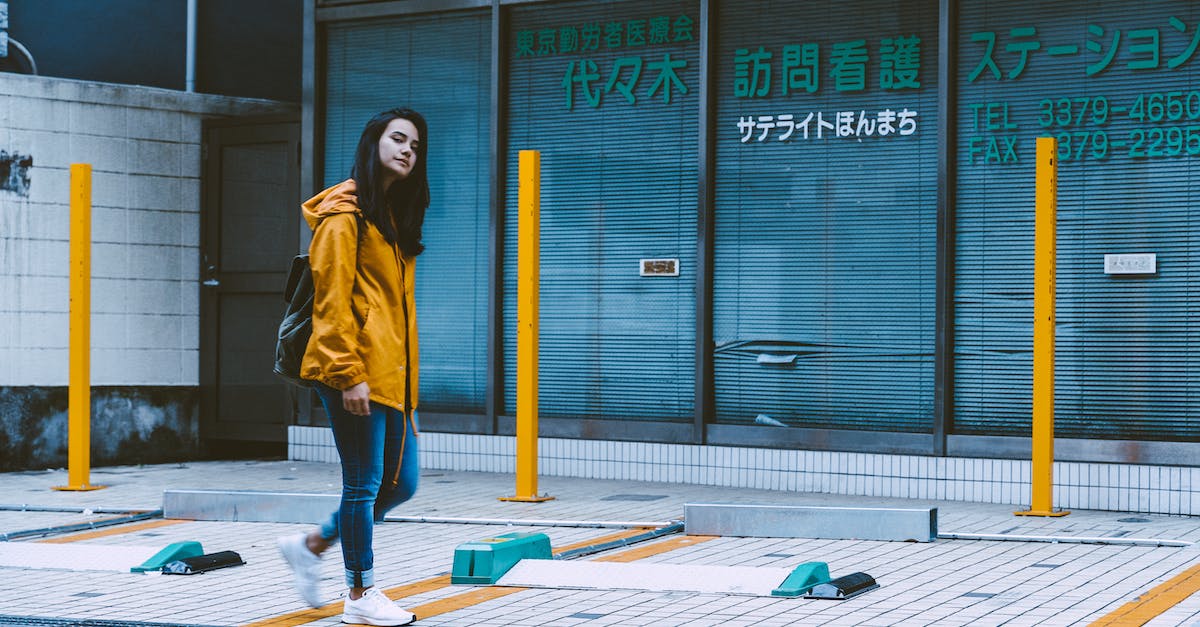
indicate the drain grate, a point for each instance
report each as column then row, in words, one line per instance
column 780, row 555
column 586, row 615
column 634, row 497
column 39, row 621
column 1133, row 520
column 980, row 595
column 1045, row 565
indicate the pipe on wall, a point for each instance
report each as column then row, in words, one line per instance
column 13, row 43
column 190, row 77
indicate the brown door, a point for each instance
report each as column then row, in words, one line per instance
column 250, row 231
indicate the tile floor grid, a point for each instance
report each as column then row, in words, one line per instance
column 922, row 583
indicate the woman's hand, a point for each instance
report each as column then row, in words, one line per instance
column 356, row 399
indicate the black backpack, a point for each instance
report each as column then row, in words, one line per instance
column 296, row 327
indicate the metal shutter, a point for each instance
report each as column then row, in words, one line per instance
column 1126, row 345
column 825, row 248
column 438, row 66
column 619, row 184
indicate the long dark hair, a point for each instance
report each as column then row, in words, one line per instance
column 398, row 211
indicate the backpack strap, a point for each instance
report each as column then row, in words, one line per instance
column 299, row 263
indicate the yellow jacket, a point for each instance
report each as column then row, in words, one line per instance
column 364, row 316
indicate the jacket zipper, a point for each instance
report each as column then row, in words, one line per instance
column 407, row 395
column 400, row 460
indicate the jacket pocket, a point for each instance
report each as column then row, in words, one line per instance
column 361, row 312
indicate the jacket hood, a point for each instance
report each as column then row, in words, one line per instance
column 341, row 198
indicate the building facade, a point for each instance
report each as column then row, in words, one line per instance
column 110, row 92
column 845, row 192
column 145, row 148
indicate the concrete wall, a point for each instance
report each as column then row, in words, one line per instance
column 129, row 425
column 144, row 145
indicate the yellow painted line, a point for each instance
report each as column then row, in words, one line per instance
column 115, row 530
column 620, row 535
column 476, row 595
column 302, row 617
column 461, row 601
column 482, row 595
column 1158, row 600
column 647, row 550
column 418, row 587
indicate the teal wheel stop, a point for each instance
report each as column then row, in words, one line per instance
column 485, row 561
column 802, row 579
column 170, row 553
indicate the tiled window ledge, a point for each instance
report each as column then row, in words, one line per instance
column 1079, row 485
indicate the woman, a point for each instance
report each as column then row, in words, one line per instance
column 362, row 356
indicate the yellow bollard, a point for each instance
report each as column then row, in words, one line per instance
column 79, row 395
column 1044, row 270
column 529, row 201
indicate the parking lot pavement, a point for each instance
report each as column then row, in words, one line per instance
column 947, row 582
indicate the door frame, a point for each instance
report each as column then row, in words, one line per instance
column 215, row 133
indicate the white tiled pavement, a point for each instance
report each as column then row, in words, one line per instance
column 949, row 582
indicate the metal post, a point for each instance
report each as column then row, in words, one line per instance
column 494, row 388
column 947, row 185
column 529, row 175
column 79, row 398
column 704, row 396
column 1045, row 248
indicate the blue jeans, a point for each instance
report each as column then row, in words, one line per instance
column 379, row 472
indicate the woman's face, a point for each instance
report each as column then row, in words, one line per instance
column 398, row 150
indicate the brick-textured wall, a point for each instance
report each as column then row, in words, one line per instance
column 145, row 149
column 144, row 146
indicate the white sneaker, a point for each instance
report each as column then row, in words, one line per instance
column 306, row 567
column 374, row 608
